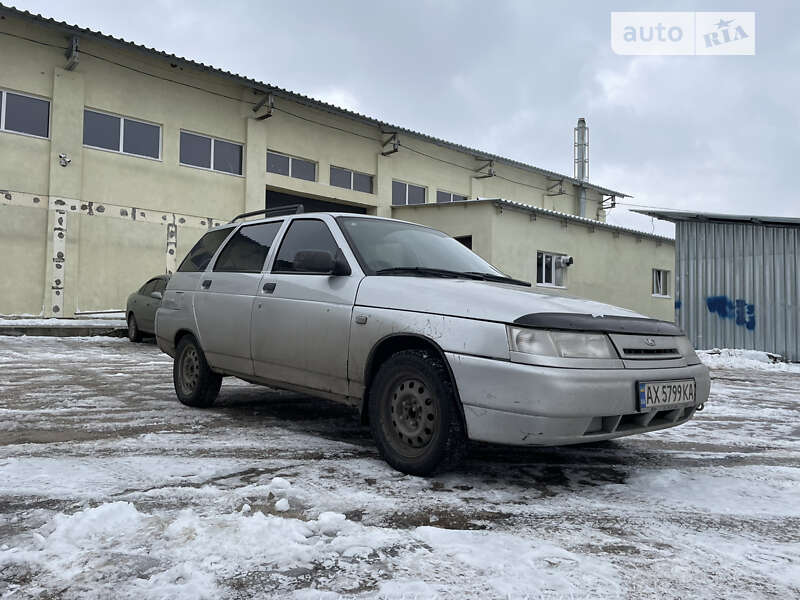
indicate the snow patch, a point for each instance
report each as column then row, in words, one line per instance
column 727, row 358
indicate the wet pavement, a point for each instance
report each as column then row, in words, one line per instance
column 91, row 434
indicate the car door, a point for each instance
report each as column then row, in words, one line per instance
column 301, row 318
column 151, row 304
column 143, row 306
column 224, row 297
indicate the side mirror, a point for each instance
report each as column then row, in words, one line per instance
column 321, row 262
column 314, row 261
column 156, row 295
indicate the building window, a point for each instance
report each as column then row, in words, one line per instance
column 660, row 283
column 24, row 114
column 203, row 152
column 291, row 166
column 443, row 197
column 550, row 269
column 121, row 134
column 407, row 193
column 351, row 180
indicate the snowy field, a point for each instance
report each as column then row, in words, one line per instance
column 111, row 489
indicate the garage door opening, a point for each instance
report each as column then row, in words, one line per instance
column 281, row 200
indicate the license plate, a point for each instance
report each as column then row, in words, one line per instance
column 655, row 395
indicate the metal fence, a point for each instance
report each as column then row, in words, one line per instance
column 737, row 286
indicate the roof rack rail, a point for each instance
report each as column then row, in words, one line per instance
column 278, row 211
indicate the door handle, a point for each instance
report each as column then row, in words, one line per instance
column 206, row 284
column 269, row 287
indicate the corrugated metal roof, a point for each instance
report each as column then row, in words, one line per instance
column 299, row 98
column 501, row 202
column 681, row 215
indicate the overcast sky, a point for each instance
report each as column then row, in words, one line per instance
column 699, row 133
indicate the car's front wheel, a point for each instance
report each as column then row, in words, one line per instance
column 414, row 415
column 195, row 383
column 134, row 334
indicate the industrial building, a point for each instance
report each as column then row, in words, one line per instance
column 117, row 157
column 737, row 280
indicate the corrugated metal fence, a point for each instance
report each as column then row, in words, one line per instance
column 738, row 286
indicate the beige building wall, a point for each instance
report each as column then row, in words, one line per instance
column 79, row 238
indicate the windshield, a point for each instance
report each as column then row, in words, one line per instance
column 384, row 245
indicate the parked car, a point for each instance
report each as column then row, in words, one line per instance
column 141, row 307
column 433, row 344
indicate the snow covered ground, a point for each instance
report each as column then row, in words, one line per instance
column 110, row 488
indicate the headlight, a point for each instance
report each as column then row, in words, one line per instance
column 561, row 344
column 687, row 351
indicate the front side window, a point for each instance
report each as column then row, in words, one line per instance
column 298, row 168
column 303, row 235
column 385, row 245
column 24, row 114
column 550, row 269
column 248, row 248
column 120, row 134
column 351, row 180
column 407, row 193
column 207, row 153
column 660, row 282
column 202, row 252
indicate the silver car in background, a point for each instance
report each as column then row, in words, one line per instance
column 431, row 343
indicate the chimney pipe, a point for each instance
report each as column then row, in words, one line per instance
column 581, row 161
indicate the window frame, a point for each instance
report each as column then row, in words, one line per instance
column 665, row 274
column 408, row 183
column 451, row 194
column 553, row 256
column 285, row 232
column 213, row 143
column 3, row 92
column 353, row 173
column 122, row 120
column 292, row 158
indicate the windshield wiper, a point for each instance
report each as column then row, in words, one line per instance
column 500, row 278
column 429, row 271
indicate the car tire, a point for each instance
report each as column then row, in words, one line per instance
column 195, row 383
column 414, row 415
column 134, row 334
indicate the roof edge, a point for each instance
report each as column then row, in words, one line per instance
column 549, row 213
column 675, row 216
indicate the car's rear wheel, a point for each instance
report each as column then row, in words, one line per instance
column 195, row 383
column 134, row 334
column 414, row 415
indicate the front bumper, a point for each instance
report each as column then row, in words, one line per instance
column 519, row 404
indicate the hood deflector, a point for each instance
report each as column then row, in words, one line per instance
column 580, row 322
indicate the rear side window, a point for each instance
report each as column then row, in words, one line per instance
column 303, row 234
column 248, row 248
column 161, row 285
column 199, row 256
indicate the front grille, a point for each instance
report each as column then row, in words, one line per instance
column 646, row 347
column 650, row 352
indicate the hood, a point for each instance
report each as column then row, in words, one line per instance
column 482, row 300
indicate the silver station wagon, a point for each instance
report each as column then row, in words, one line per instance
column 433, row 344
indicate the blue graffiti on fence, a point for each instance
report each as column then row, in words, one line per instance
column 739, row 310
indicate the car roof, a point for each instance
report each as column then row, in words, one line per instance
column 313, row 215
